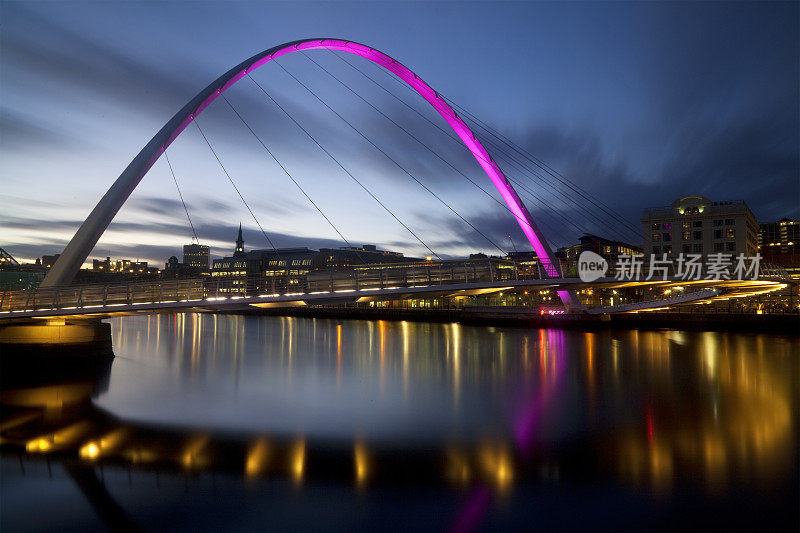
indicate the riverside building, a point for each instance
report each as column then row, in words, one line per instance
column 196, row 256
column 286, row 269
column 779, row 244
column 694, row 224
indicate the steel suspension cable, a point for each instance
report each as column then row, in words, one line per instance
column 534, row 173
column 343, row 167
column 574, row 187
column 564, row 219
column 237, row 189
column 286, row 171
column 449, row 134
column 390, row 158
column 181, row 196
column 545, row 167
column 437, row 126
column 408, row 132
column 586, row 213
column 448, row 163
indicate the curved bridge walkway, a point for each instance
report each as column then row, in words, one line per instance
column 336, row 289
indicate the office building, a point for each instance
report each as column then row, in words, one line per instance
column 779, row 244
column 286, row 269
column 606, row 248
column 694, row 224
column 49, row 260
column 197, row 256
column 123, row 266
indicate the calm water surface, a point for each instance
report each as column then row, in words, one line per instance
column 212, row 421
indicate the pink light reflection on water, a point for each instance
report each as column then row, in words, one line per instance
column 473, row 510
column 528, row 422
column 551, row 346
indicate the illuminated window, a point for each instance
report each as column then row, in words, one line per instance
column 668, row 236
column 687, row 224
column 667, row 225
column 654, row 226
column 687, row 235
column 656, row 237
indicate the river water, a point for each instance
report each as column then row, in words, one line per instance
column 211, row 422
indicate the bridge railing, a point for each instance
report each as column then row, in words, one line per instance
column 365, row 277
column 410, row 275
column 84, row 296
column 360, row 277
column 673, row 270
column 355, row 278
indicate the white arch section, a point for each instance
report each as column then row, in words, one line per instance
column 101, row 216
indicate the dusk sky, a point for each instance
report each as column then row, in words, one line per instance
column 637, row 103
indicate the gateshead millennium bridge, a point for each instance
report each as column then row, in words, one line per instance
column 56, row 297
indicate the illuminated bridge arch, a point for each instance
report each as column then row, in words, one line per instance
column 98, row 220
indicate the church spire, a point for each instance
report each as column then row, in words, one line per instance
column 239, row 242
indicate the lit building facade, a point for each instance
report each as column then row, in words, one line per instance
column 526, row 262
column 196, row 255
column 606, row 248
column 286, row 269
column 123, row 266
column 49, row 260
column 779, row 244
column 282, row 270
column 366, row 254
column 694, row 224
column 175, row 270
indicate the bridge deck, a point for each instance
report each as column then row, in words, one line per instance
column 202, row 295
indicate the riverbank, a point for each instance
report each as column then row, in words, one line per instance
column 525, row 317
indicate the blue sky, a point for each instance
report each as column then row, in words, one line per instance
column 638, row 103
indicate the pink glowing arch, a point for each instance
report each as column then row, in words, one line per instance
column 98, row 220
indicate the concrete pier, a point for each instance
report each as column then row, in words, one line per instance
column 50, row 332
column 52, row 348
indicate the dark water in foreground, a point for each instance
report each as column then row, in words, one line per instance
column 225, row 422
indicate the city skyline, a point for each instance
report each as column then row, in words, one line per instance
column 718, row 105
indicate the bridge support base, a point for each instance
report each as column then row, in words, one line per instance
column 52, row 348
column 56, row 333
